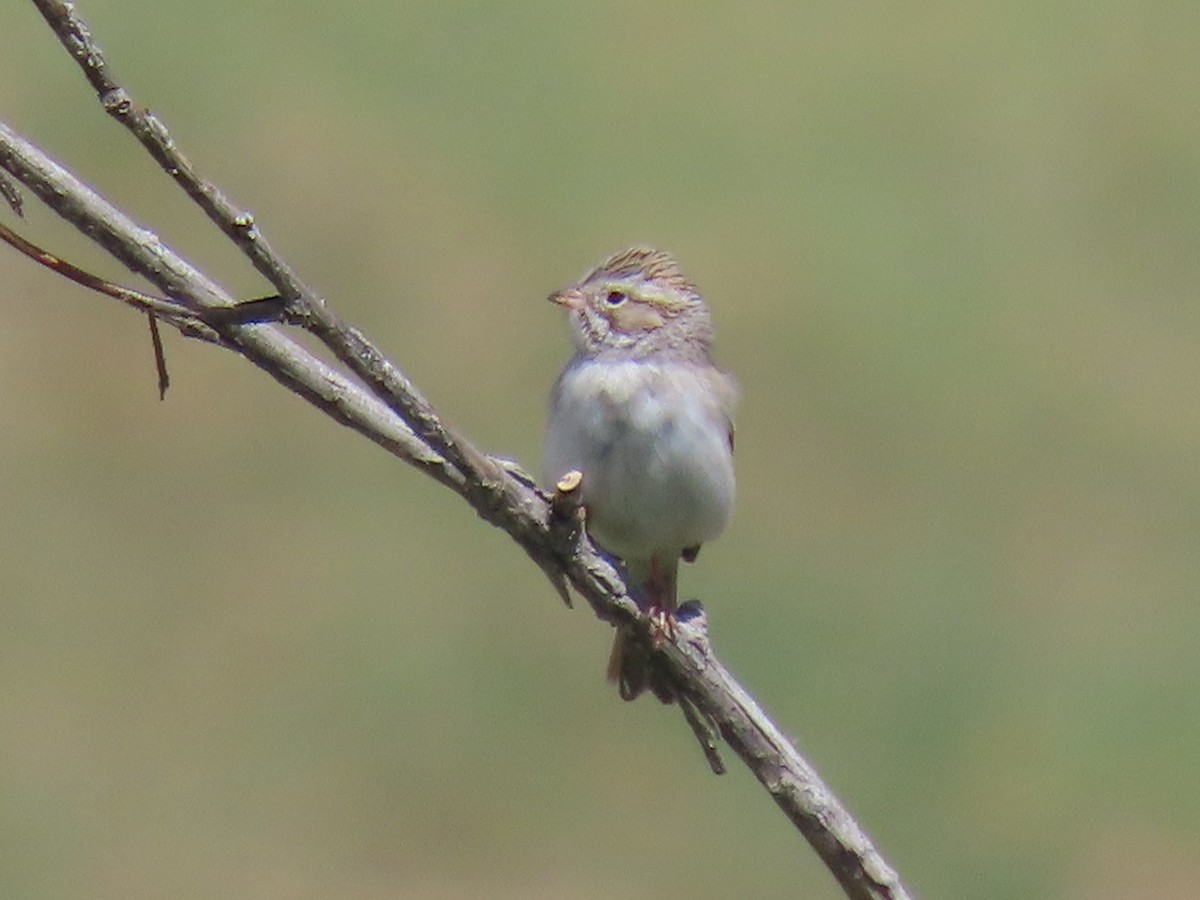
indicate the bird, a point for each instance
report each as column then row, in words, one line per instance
column 645, row 416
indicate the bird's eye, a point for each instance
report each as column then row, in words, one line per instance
column 616, row 298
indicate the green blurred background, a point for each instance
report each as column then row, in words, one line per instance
column 952, row 254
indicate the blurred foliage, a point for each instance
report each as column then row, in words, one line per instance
column 951, row 250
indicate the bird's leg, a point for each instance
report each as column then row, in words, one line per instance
column 631, row 665
column 661, row 611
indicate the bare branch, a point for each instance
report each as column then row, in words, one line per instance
column 395, row 416
column 485, row 484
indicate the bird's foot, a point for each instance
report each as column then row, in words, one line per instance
column 662, row 626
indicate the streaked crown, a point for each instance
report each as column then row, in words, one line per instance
column 638, row 302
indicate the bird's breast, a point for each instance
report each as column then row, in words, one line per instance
column 652, row 443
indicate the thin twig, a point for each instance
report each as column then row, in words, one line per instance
column 704, row 732
column 12, row 196
column 178, row 315
column 160, row 358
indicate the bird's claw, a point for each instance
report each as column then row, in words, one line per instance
column 662, row 627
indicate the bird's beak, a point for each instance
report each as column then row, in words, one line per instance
column 571, row 298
